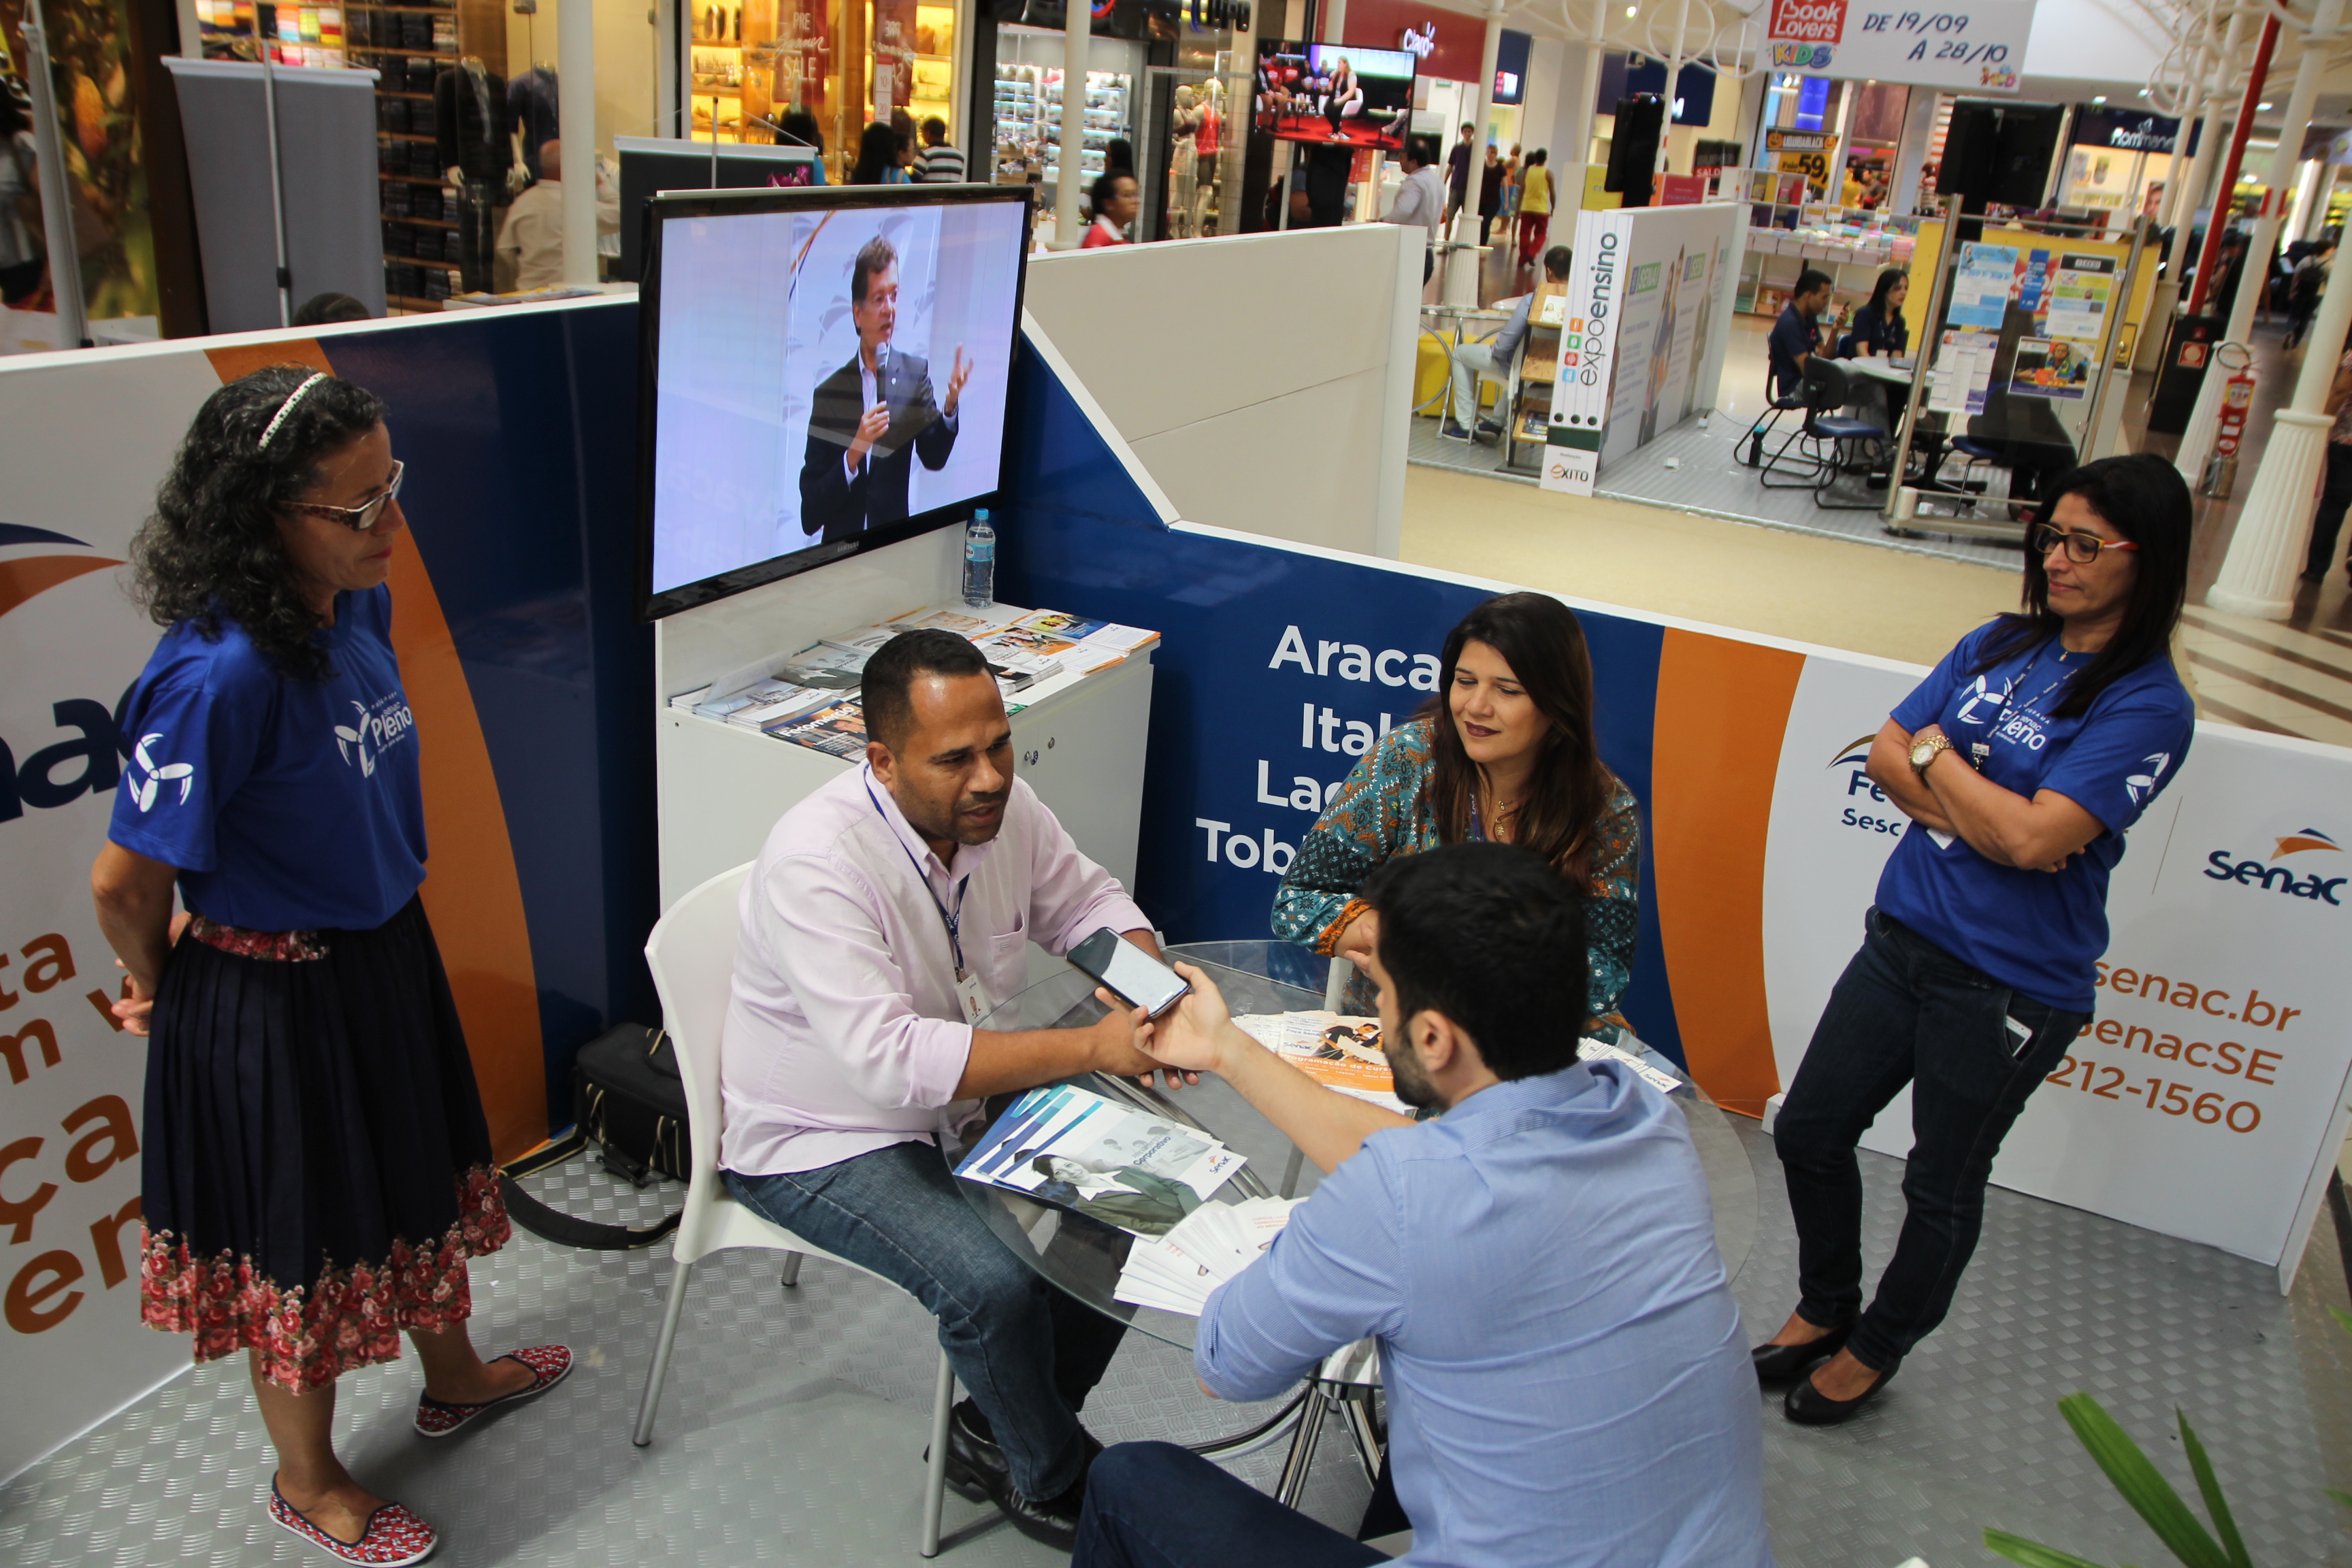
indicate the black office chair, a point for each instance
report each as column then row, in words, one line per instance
column 1825, row 442
column 1750, row 451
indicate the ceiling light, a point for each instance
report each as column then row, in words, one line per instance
column 2260, row 105
column 1631, row 10
column 2143, row 92
column 2098, row 98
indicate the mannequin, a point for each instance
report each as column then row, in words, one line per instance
column 1208, row 144
column 471, row 125
column 1183, row 129
column 531, row 114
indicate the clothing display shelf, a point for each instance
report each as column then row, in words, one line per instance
column 395, row 40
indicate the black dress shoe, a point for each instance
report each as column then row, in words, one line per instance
column 976, row 1466
column 1778, row 1364
column 1809, row 1407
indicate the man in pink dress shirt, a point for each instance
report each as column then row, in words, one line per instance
column 887, row 912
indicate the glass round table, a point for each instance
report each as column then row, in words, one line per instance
column 1083, row 1256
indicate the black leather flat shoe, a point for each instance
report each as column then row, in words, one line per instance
column 1778, row 1364
column 1809, row 1407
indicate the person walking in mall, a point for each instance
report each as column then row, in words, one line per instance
column 1457, row 177
column 1536, row 200
column 1490, row 193
column 1558, row 1337
column 1420, row 199
column 1491, row 361
column 2335, row 492
column 316, row 1168
column 2021, row 762
column 1504, row 752
column 2306, row 286
column 942, row 162
column 886, row 914
column 1115, row 201
column 877, row 157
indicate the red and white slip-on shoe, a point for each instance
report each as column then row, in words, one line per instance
column 550, row 1364
column 394, row 1536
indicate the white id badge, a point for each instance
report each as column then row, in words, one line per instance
column 973, row 995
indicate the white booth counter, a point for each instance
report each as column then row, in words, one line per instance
column 1078, row 737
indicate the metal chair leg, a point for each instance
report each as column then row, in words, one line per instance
column 1367, row 1436
column 935, row 1486
column 1290, row 1172
column 792, row 1270
column 1301, row 1457
column 659, row 1371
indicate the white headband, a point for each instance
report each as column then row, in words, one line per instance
column 287, row 408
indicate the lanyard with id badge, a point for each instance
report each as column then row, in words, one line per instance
column 971, row 993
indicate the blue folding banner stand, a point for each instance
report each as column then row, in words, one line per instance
column 1083, row 537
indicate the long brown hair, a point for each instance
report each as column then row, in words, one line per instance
column 1539, row 639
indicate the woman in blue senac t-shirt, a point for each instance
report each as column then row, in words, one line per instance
column 2021, row 762
column 316, row 1165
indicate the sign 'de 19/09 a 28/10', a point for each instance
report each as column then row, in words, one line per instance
column 1977, row 46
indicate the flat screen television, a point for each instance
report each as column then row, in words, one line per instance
column 823, row 372
column 1339, row 95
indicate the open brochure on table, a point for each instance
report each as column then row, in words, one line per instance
column 810, row 697
column 1177, row 1272
column 1119, row 1163
column 1336, row 1050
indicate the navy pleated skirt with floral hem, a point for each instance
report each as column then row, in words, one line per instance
column 316, row 1167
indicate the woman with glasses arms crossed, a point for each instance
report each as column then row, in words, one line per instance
column 317, row 1169
column 2020, row 761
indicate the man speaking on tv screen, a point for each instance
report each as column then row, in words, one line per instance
column 871, row 419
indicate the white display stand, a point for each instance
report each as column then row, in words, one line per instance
column 1080, row 744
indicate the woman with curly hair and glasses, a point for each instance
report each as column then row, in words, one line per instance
column 1504, row 752
column 317, row 1169
column 2022, row 761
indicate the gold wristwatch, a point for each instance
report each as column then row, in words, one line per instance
column 1924, row 751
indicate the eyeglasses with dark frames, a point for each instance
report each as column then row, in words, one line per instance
column 358, row 519
column 2081, row 548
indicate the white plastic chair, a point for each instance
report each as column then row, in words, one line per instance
column 692, row 954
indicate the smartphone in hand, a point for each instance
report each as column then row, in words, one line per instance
column 1129, row 972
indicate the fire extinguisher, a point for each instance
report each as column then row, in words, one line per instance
column 2221, row 475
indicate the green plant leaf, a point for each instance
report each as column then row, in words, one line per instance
column 2149, row 1494
column 2343, row 1317
column 2344, row 1498
column 2031, row 1554
column 2210, row 1487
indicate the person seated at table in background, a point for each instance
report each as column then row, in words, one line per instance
column 1559, row 1342
column 1796, row 336
column 1503, row 751
column 1880, row 331
column 1491, row 361
column 886, row 913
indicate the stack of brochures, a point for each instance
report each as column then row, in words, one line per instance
column 1177, row 1272
column 810, row 697
column 1601, row 1050
column 1337, row 1051
column 1117, row 1162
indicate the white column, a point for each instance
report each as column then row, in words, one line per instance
column 1078, row 27
column 1673, row 80
column 1911, row 157
column 1335, row 22
column 1490, row 51
column 57, row 197
column 575, row 114
column 2266, row 550
column 1580, row 84
column 2205, row 418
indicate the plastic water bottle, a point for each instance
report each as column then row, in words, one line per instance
column 979, row 561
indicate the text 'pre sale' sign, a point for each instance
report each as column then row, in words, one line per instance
column 1974, row 45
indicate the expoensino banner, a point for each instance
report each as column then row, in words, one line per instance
column 1648, row 321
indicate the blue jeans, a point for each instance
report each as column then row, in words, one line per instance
column 1905, row 1011
column 1155, row 1505
column 1027, row 1353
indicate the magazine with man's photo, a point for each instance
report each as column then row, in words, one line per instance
column 1119, row 1163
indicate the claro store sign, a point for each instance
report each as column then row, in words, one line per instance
column 1978, row 47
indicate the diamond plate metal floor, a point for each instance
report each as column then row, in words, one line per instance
column 794, row 1422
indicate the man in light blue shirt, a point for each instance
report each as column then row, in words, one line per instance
column 1567, row 1378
